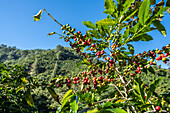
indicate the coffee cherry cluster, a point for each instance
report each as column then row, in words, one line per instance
column 76, row 80
column 99, row 53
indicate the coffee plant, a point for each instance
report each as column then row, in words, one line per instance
column 117, row 69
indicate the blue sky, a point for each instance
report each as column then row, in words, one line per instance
column 17, row 27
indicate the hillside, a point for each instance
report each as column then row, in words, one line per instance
column 46, row 64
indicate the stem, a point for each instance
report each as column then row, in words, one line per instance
column 118, row 90
column 128, row 110
column 134, row 109
column 53, row 18
column 120, row 75
column 106, row 100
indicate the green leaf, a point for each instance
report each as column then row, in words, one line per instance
column 160, row 27
column 89, row 24
column 74, row 105
column 67, row 94
column 144, row 37
column 19, row 88
column 131, row 48
column 128, row 14
column 109, row 4
column 106, row 21
column 126, row 5
column 107, row 104
column 161, row 11
column 116, row 110
column 53, row 94
column 139, row 89
column 52, row 33
column 65, row 101
column 151, row 70
column 144, row 12
column 37, row 17
column 121, row 101
column 28, row 97
column 95, row 110
column 110, row 7
column 153, row 86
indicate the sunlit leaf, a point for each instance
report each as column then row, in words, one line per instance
column 144, row 12
column 67, row 94
column 89, row 24
column 74, row 104
column 116, row 110
column 128, row 14
column 107, row 21
column 95, row 110
column 19, row 88
column 65, row 101
column 24, row 80
column 121, row 101
column 126, row 5
column 139, row 89
column 110, row 7
column 37, row 17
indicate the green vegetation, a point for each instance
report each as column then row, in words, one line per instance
column 113, row 79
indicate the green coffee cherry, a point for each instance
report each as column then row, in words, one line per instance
column 68, row 33
column 67, row 25
column 64, row 32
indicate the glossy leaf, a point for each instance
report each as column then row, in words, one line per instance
column 121, row 101
column 144, row 12
column 144, row 37
column 116, row 110
column 89, row 24
column 28, row 97
column 37, row 17
column 107, row 21
column 110, row 7
column 160, row 27
column 126, row 5
column 74, row 104
column 19, row 88
column 67, row 94
column 128, row 14
column 139, row 90
column 65, row 101
column 53, row 94
column 161, row 11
